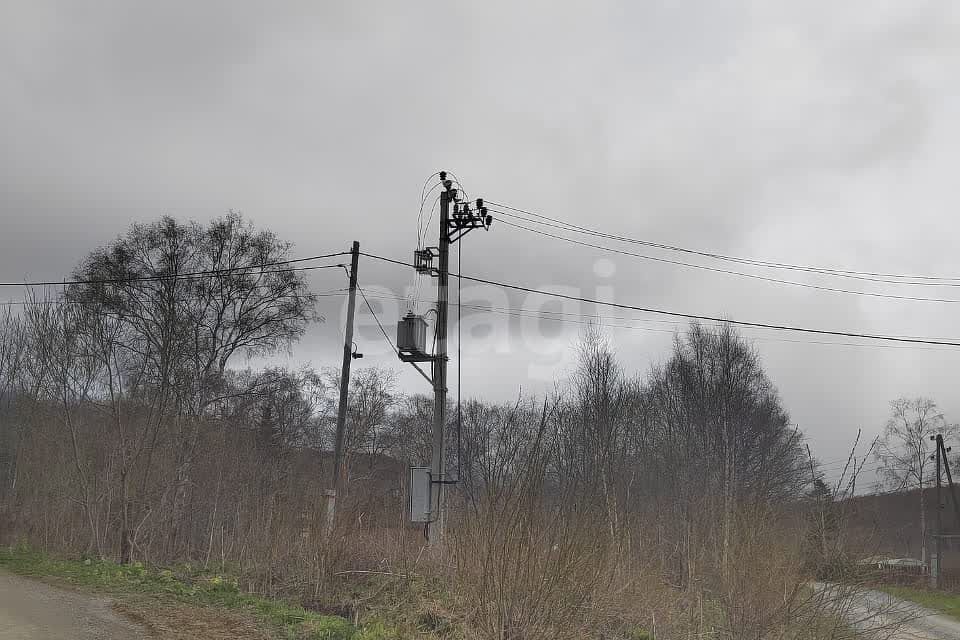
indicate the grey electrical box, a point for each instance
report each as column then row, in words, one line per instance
column 412, row 334
column 420, row 497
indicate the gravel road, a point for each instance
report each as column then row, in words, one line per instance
column 890, row 618
column 33, row 610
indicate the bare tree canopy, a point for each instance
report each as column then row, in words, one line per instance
column 181, row 329
column 713, row 404
column 904, row 450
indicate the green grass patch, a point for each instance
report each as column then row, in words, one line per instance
column 946, row 603
column 188, row 585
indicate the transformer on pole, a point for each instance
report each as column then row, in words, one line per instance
column 411, row 345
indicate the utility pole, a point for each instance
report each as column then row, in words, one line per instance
column 348, row 356
column 437, row 462
column 953, row 492
column 411, row 347
column 938, row 563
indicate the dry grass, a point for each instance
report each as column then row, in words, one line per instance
column 177, row 621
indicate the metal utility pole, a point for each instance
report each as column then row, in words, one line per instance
column 348, row 355
column 437, row 468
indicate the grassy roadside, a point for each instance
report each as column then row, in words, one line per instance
column 945, row 603
column 167, row 599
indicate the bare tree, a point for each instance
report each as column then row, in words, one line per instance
column 245, row 299
column 597, row 420
column 720, row 432
column 12, row 348
column 904, row 450
column 371, row 397
column 188, row 298
column 495, row 442
column 70, row 381
column 411, row 429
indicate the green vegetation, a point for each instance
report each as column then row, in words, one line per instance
column 946, row 603
column 192, row 586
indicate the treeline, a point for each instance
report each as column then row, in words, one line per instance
column 127, row 430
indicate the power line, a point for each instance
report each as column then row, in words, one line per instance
column 838, row 461
column 861, row 475
column 377, row 318
column 420, row 225
column 422, row 234
column 31, row 303
column 792, row 283
column 425, row 227
column 188, row 275
column 860, row 275
column 424, row 194
column 291, row 296
column 423, row 190
column 586, row 319
column 692, row 316
column 589, row 319
column 867, row 464
column 422, row 229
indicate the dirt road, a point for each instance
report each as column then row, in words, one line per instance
column 32, row 610
column 918, row 623
column 893, row 619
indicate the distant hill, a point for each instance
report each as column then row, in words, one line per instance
column 889, row 523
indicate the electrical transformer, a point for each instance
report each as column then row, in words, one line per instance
column 412, row 334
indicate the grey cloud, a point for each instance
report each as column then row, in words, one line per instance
column 808, row 132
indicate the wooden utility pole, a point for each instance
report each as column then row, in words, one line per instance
column 938, row 547
column 953, row 492
column 344, row 388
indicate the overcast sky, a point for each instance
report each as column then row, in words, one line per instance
column 812, row 132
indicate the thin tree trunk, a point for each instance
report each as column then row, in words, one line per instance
column 125, row 546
